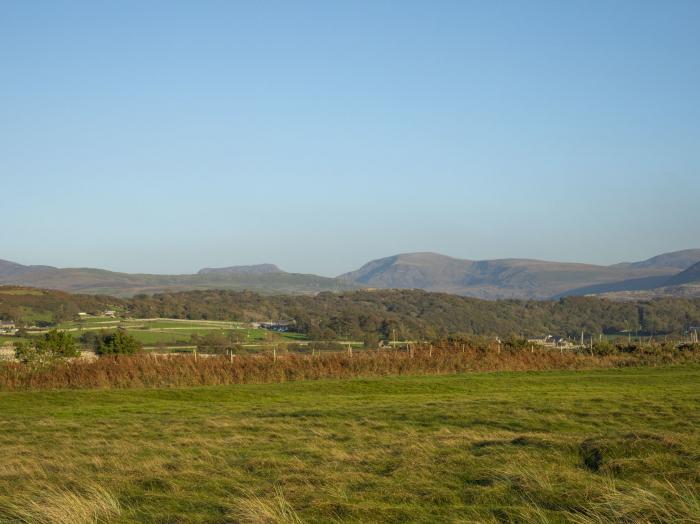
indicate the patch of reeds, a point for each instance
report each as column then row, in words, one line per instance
column 151, row 371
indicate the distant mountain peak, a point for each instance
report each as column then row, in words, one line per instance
column 491, row 279
column 8, row 268
column 516, row 277
column 679, row 260
column 689, row 276
column 255, row 269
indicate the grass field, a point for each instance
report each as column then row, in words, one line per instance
column 583, row 446
column 152, row 332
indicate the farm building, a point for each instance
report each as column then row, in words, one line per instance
column 280, row 325
column 551, row 341
column 8, row 328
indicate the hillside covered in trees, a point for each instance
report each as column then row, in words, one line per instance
column 31, row 306
column 412, row 314
column 419, row 314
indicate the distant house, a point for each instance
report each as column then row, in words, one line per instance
column 542, row 341
column 82, row 314
column 551, row 341
column 109, row 313
column 8, row 328
column 280, row 325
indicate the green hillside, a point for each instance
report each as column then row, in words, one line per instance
column 354, row 315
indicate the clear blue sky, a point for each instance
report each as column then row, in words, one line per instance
column 167, row 136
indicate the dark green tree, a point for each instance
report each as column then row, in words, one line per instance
column 54, row 345
column 118, row 343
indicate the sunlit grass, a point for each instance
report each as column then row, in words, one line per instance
column 498, row 447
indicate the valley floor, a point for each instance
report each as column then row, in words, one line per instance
column 598, row 446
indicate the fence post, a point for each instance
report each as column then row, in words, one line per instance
column 274, row 353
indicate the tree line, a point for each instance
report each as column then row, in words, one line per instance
column 380, row 314
column 413, row 314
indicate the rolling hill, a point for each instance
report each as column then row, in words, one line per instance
column 489, row 279
column 676, row 260
column 257, row 269
column 517, row 278
column 685, row 284
column 689, row 276
column 10, row 269
column 100, row 281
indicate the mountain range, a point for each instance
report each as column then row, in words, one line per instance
column 261, row 278
column 668, row 274
column 519, row 278
column 684, row 284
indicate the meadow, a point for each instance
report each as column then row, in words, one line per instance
column 597, row 446
column 154, row 333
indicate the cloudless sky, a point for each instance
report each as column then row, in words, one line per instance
column 167, row 136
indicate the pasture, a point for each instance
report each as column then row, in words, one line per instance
column 614, row 445
column 153, row 333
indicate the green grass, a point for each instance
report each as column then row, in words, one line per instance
column 151, row 332
column 596, row 446
column 183, row 335
column 31, row 316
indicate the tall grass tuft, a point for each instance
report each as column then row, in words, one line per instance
column 252, row 509
column 88, row 505
column 666, row 503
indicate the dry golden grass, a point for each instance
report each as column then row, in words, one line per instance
column 87, row 504
column 253, row 509
column 184, row 370
column 660, row 502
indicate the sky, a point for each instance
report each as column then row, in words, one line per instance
column 167, row 136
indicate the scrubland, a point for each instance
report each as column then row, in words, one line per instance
column 144, row 370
